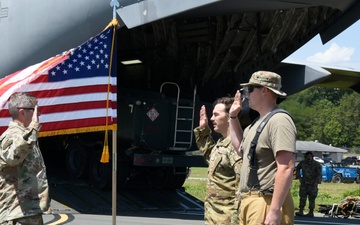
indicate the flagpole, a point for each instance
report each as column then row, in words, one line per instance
column 114, row 176
column 114, row 4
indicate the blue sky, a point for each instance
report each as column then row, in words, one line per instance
column 343, row 50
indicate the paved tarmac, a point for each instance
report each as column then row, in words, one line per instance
column 170, row 218
column 78, row 204
column 146, row 218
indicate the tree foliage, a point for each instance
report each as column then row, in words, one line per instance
column 329, row 115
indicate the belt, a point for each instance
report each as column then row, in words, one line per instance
column 224, row 194
column 256, row 193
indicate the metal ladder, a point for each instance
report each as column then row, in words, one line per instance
column 187, row 122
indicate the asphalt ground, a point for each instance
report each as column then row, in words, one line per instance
column 170, row 218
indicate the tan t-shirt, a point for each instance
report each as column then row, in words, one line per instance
column 278, row 134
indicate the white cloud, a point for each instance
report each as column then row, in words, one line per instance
column 333, row 54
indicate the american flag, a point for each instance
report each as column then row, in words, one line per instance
column 76, row 92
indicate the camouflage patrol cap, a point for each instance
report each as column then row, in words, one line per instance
column 266, row 79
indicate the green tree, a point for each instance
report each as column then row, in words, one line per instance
column 315, row 93
column 301, row 115
column 348, row 115
column 329, row 115
column 321, row 118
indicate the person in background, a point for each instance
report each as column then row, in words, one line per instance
column 24, row 192
column 309, row 177
column 266, row 175
column 221, row 201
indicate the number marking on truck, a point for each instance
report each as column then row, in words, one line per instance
column 167, row 160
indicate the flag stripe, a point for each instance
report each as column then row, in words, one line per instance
column 83, row 90
column 70, row 115
column 90, row 97
column 64, row 119
column 43, row 85
column 71, row 107
column 63, row 100
column 75, row 115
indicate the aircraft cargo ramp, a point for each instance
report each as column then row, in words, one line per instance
column 79, row 197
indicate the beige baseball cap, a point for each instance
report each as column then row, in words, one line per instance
column 266, row 79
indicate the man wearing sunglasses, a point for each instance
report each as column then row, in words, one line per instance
column 24, row 193
column 265, row 195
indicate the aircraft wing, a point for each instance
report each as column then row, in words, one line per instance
column 342, row 78
column 299, row 75
column 135, row 13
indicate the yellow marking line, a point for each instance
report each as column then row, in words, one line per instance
column 63, row 218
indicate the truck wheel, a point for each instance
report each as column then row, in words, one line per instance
column 76, row 160
column 99, row 173
column 178, row 178
column 336, row 178
column 158, row 177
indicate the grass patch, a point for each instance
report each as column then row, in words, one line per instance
column 196, row 188
column 196, row 183
column 329, row 193
column 198, row 172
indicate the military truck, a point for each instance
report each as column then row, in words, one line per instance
column 339, row 172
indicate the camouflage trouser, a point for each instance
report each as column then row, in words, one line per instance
column 307, row 191
column 31, row 220
column 222, row 211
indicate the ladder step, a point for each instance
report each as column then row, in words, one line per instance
column 185, row 119
column 182, row 142
column 184, row 131
column 178, row 148
column 185, row 107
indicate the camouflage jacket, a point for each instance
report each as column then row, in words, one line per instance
column 310, row 172
column 224, row 164
column 23, row 182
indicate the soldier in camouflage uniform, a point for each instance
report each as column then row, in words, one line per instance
column 24, row 193
column 221, row 201
column 309, row 177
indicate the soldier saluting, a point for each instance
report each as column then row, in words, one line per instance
column 221, row 201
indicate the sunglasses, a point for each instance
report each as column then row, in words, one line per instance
column 26, row 108
column 251, row 88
